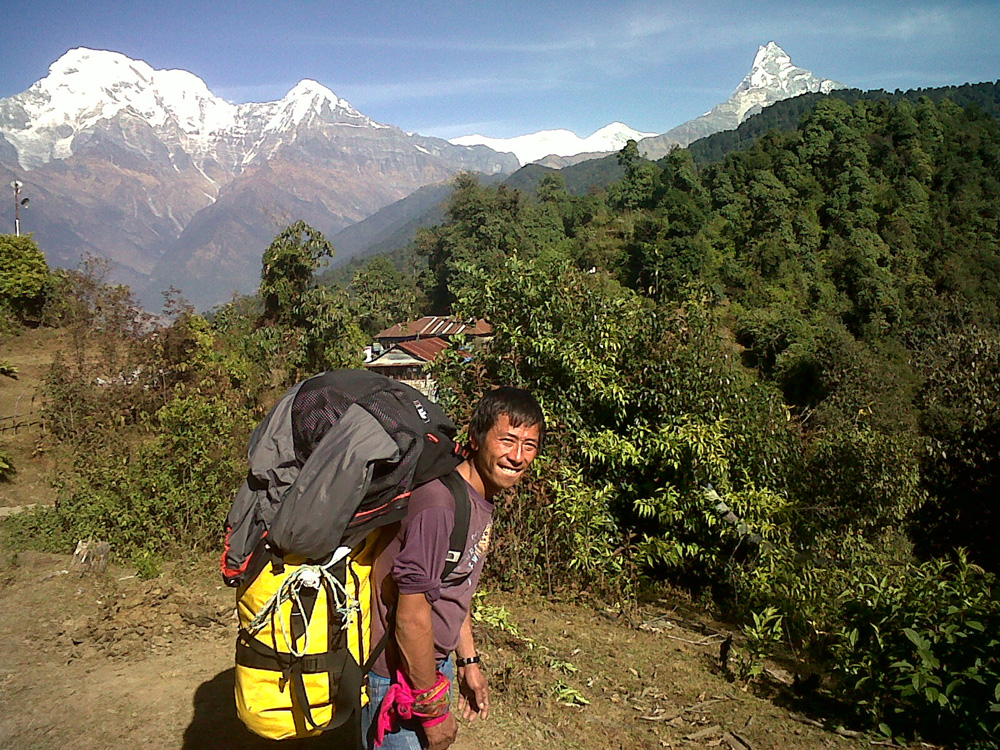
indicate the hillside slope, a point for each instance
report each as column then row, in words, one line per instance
column 576, row 676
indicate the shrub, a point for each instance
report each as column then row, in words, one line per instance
column 7, row 470
column 961, row 468
column 171, row 491
column 859, row 480
column 648, row 408
column 918, row 649
column 24, row 277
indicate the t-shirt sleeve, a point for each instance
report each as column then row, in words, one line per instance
column 425, row 540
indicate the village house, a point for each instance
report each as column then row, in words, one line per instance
column 404, row 351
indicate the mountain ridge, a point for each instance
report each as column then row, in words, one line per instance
column 772, row 78
column 86, row 86
column 598, row 172
column 180, row 188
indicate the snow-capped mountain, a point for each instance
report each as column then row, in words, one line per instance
column 772, row 78
column 178, row 186
column 535, row 146
column 87, row 87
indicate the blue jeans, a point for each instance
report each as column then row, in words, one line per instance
column 410, row 735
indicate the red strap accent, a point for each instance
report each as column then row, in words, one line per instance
column 433, row 438
column 364, row 514
column 229, row 572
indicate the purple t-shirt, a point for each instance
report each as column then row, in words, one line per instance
column 415, row 558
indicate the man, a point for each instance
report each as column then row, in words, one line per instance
column 432, row 617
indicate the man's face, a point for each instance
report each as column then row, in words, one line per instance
column 505, row 454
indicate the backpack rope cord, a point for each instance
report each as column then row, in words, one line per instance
column 310, row 576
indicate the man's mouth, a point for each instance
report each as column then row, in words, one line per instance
column 509, row 471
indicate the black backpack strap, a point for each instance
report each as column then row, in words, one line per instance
column 455, row 483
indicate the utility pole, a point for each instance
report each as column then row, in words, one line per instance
column 18, row 202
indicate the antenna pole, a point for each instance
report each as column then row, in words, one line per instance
column 17, row 207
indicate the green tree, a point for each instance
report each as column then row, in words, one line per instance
column 637, row 188
column 382, row 295
column 289, row 268
column 24, row 277
column 484, row 227
column 303, row 328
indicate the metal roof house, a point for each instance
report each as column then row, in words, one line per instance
column 431, row 326
column 407, row 362
column 404, row 351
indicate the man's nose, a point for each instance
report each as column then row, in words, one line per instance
column 516, row 453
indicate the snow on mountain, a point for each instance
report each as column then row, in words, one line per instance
column 772, row 77
column 535, row 146
column 179, row 187
column 85, row 87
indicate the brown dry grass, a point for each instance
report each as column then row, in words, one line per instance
column 36, row 457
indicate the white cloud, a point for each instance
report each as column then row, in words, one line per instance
column 436, row 44
column 379, row 93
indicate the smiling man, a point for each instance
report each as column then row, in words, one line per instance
column 429, row 618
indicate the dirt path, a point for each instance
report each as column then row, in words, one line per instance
column 116, row 662
column 35, row 458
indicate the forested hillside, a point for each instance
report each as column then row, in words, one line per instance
column 786, row 114
column 371, row 237
column 773, row 381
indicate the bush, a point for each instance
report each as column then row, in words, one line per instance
column 170, row 492
column 859, row 481
column 648, row 409
column 7, row 470
column 24, row 278
column 961, row 468
column 918, row 650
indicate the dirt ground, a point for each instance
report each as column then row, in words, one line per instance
column 36, row 459
column 111, row 661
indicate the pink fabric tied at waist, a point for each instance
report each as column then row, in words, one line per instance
column 398, row 705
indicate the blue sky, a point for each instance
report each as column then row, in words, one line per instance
column 506, row 68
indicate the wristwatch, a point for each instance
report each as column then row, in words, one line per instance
column 460, row 662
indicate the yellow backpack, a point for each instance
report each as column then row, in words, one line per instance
column 304, row 648
column 332, row 467
column 305, row 642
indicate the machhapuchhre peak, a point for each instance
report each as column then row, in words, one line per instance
column 178, row 187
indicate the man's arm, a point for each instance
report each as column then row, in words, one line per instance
column 415, row 638
column 474, row 694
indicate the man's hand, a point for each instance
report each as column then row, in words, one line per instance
column 473, row 692
column 440, row 736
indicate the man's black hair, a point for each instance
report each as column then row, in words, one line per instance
column 520, row 407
